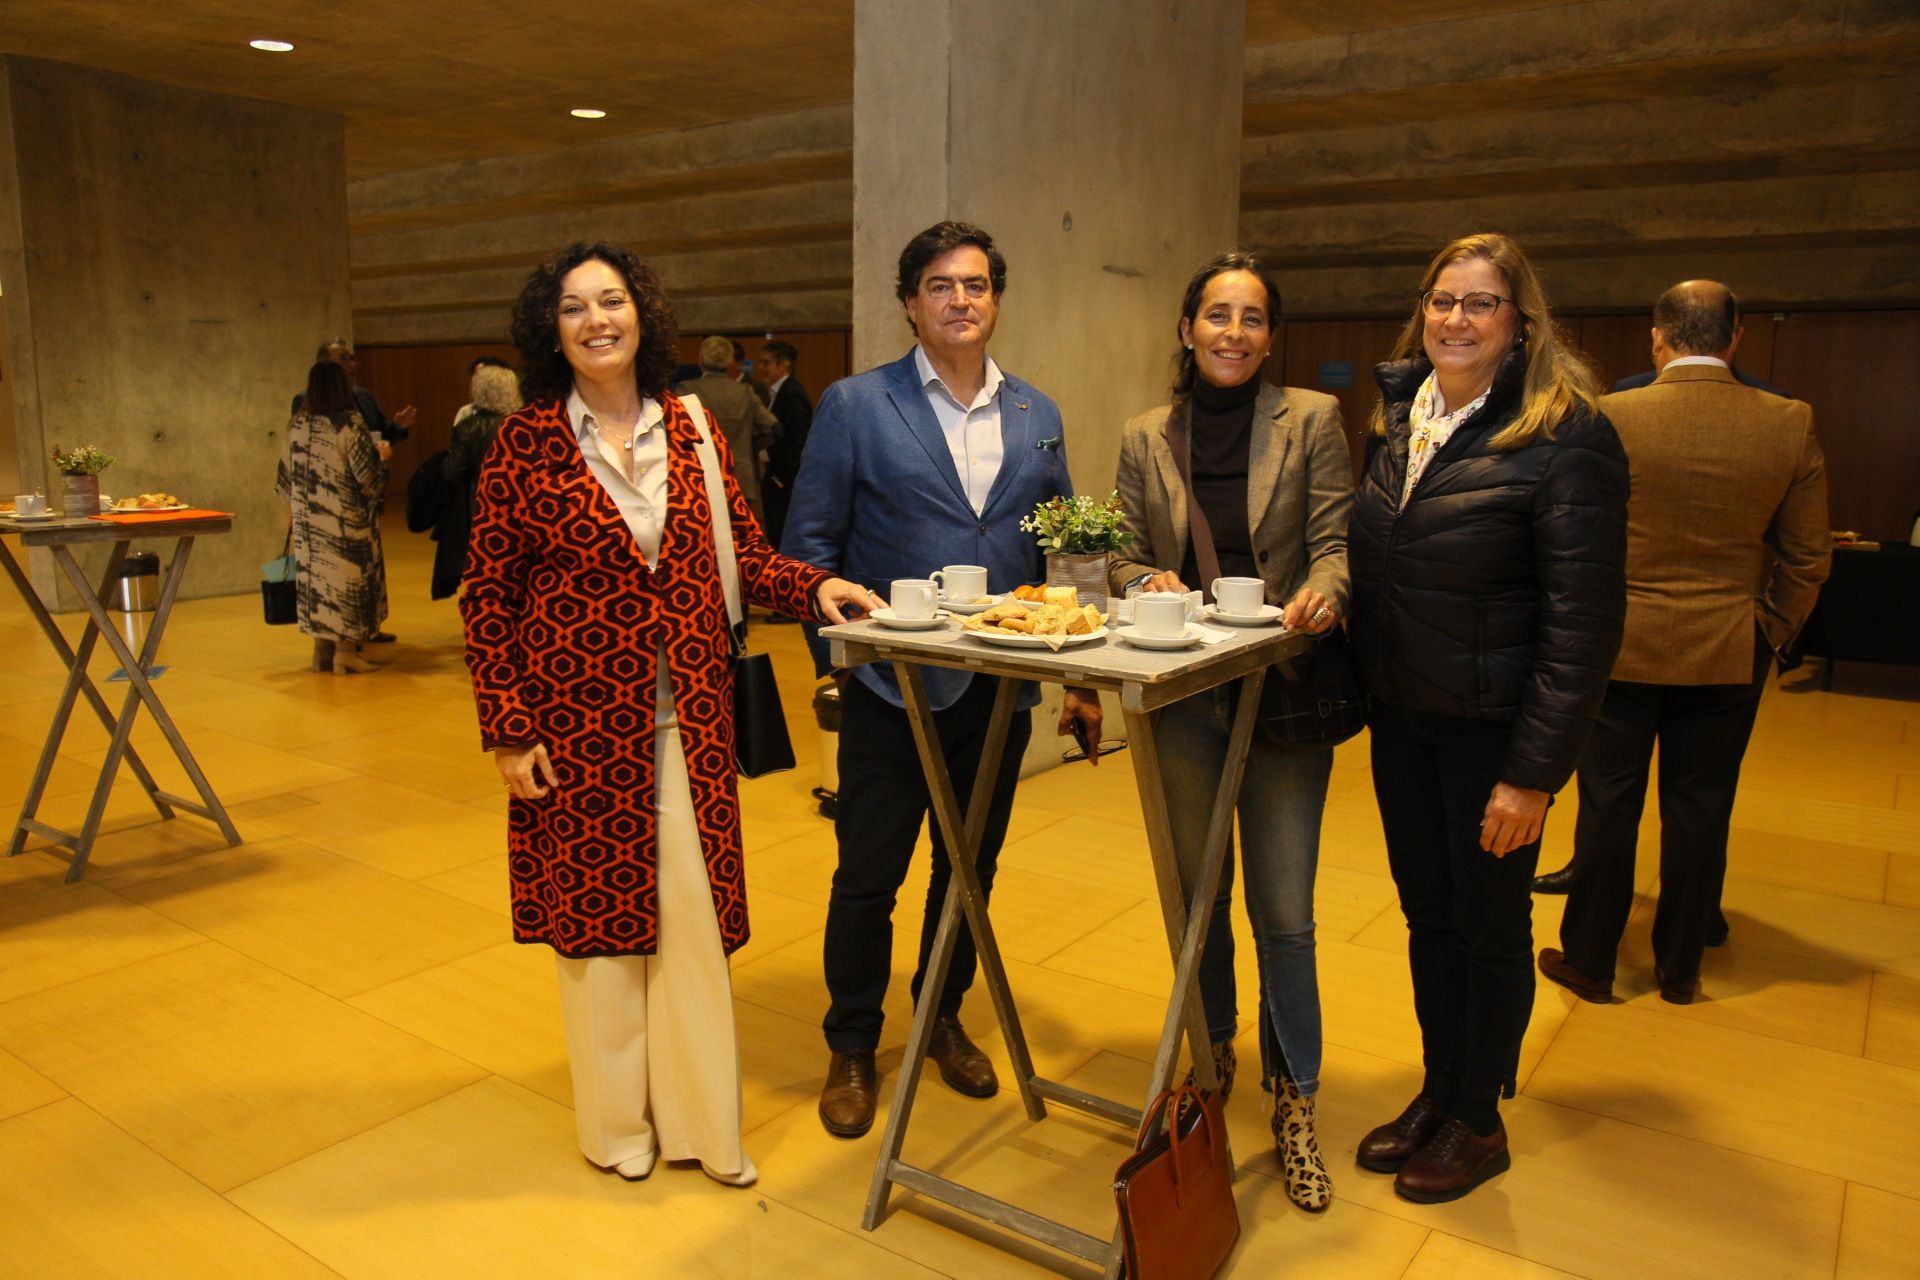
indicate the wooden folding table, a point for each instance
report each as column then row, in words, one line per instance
column 1145, row 681
column 59, row 536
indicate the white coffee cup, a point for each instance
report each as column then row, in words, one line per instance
column 962, row 583
column 1241, row 597
column 1160, row 613
column 29, row 504
column 912, row 598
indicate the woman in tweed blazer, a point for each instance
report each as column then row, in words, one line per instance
column 1269, row 468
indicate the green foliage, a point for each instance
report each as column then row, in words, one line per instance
column 84, row 461
column 1079, row 525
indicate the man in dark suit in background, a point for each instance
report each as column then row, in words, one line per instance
column 794, row 408
column 1727, row 545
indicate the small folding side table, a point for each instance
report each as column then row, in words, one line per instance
column 1145, row 681
column 59, row 536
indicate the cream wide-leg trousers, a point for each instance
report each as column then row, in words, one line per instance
column 650, row 1039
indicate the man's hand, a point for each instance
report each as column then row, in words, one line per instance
column 1514, row 818
column 837, row 596
column 405, row 418
column 522, row 768
column 385, row 451
column 1082, row 706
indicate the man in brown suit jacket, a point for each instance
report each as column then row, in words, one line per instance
column 1727, row 545
column 747, row 423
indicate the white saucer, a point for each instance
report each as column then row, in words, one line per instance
column 1135, row 637
column 44, row 515
column 885, row 618
column 1269, row 614
column 971, row 606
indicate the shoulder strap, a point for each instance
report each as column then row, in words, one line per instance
column 1203, row 553
column 722, row 517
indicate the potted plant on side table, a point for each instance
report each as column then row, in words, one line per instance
column 1078, row 534
column 80, row 479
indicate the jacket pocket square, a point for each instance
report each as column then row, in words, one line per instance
column 1051, row 444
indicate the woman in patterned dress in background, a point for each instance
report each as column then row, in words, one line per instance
column 334, row 477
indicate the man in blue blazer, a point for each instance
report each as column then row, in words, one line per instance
column 928, row 461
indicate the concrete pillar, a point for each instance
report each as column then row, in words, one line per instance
column 1098, row 141
column 168, row 261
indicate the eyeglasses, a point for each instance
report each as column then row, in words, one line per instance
column 1439, row 304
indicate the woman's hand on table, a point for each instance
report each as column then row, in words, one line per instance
column 522, row 769
column 1165, row 580
column 1082, row 707
column 1514, row 818
column 837, row 595
column 1310, row 612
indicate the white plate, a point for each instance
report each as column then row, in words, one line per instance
column 1269, row 614
column 44, row 515
column 885, row 618
column 971, row 606
column 1134, row 636
column 124, row 510
column 1014, row 640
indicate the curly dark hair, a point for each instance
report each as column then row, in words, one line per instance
column 544, row 371
column 1185, row 370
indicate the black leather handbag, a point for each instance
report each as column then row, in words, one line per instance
column 761, row 744
column 1313, row 701
column 279, row 591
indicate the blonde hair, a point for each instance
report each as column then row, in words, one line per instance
column 1557, row 379
column 495, row 389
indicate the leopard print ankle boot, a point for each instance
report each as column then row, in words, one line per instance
column 1225, row 1060
column 1293, row 1140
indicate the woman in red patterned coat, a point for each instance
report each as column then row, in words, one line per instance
column 597, row 637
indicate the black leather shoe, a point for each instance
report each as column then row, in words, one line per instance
column 1454, row 1162
column 380, row 637
column 847, row 1098
column 962, row 1065
column 1717, row 932
column 1389, row 1146
column 1676, row 992
column 1554, row 965
column 1554, row 881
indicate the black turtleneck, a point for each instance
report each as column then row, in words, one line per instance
column 1220, row 440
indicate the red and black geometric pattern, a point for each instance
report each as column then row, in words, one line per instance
column 563, row 624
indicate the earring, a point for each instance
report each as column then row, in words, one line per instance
column 1189, row 346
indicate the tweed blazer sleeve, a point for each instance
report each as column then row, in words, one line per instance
column 1802, row 547
column 1146, row 505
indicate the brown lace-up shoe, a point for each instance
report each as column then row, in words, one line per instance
column 962, row 1065
column 1555, row 966
column 1386, row 1148
column 847, row 1099
column 1454, row 1162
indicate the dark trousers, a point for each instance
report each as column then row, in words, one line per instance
column 1469, row 914
column 883, row 801
column 774, row 500
column 1702, row 731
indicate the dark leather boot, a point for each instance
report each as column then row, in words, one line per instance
column 847, row 1100
column 1388, row 1147
column 1454, row 1162
column 962, row 1064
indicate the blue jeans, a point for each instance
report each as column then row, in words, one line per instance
column 1279, row 807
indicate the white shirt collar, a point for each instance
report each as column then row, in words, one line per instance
column 1682, row 360
column 928, row 378
column 652, row 413
column 780, row 382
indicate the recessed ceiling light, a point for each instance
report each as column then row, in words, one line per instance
column 589, row 113
column 271, row 46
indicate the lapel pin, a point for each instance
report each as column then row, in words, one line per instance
column 1020, row 404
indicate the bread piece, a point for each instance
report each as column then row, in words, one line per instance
column 1063, row 596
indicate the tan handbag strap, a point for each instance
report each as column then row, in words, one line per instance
column 722, row 518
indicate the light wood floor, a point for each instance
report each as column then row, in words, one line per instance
column 319, row 1055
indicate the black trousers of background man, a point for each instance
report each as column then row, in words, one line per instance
column 1702, row 731
column 883, row 802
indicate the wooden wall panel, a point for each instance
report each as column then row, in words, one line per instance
column 1860, row 370
column 824, row 353
column 1320, row 354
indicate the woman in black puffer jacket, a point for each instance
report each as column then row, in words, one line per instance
column 1488, row 552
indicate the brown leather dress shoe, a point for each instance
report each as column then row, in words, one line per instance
column 962, row 1065
column 1675, row 992
column 1553, row 964
column 1454, row 1162
column 1386, row 1148
column 847, row 1099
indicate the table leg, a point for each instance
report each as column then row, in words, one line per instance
column 964, row 897
column 78, row 682
column 140, row 691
